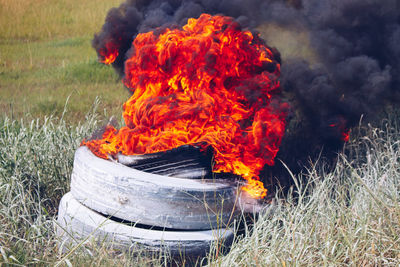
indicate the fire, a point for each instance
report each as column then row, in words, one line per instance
column 109, row 54
column 342, row 128
column 210, row 84
column 346, row 135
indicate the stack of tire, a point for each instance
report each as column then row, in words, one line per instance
column 130, row 209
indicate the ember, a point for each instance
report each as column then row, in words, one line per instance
column 208, row 84
column 342, row 129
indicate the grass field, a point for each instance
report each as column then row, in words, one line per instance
column 49, row 80
column 46, row 57
column 348, row 217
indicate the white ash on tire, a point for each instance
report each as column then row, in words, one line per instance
column 115, row 189
column 78, row 223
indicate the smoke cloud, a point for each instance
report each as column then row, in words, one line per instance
column 356, row 70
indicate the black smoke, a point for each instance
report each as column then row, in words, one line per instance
column 357, row 43
column 123, row 23
column 356, row 71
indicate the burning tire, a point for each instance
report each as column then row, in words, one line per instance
column 117, row 190
column 77, row 222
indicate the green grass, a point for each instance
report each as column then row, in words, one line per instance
column 46, row 58
column 350, row 216
column 36, row 78
column 47, row 19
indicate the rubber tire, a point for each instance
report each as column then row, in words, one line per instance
column 76, row 223
column 114, row 189
column 186, row 161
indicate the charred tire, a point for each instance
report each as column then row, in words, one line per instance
column 117, row 190
column 76, row 223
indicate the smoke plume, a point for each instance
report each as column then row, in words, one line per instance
column 355, row 72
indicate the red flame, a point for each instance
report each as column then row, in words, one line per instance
column 344, row 130
column 109, row 54
column 346, row 135
column 209, row 84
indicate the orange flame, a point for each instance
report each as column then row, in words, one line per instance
column 209, row 84
column 109, row 54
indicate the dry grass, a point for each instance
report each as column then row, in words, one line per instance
column 350, row 216
column 49, row 19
